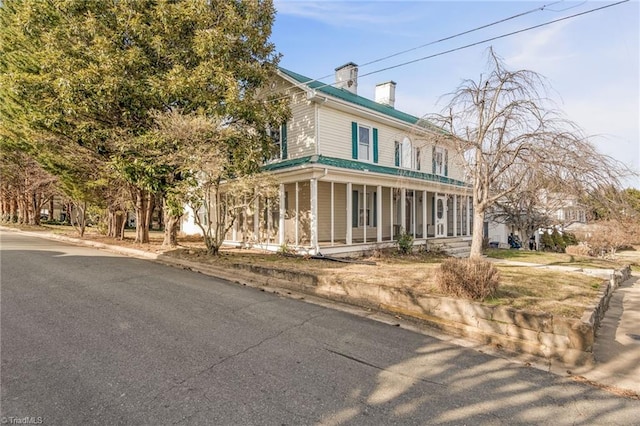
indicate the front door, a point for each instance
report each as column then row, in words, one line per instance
column 441, row 216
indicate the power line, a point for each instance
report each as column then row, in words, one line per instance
column 462, row 47
column 493, row 38
column 537, row 9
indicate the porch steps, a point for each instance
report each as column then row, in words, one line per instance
column 456, row 247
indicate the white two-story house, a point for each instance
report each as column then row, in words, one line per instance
column 355, row 173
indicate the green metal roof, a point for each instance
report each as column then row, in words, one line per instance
column 347, row 96
column 357, row 165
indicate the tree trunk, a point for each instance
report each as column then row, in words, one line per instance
column 68, row 215
column 35, row 208
column 170, row 230
column 4, row 205
column 117, row 219
column 170, row 226
column 13, row 208
column 478, row 233
column 142, row 216
column 80, row 221
column 51, row 208
column 23, row 210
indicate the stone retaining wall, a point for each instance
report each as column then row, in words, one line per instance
column 553, row 337
column 569, row 341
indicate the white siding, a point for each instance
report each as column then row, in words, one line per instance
column 334, row 134
column 301, row 125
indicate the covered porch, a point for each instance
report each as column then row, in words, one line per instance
column 333, row 211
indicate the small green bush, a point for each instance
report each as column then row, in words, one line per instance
column 569, row 239
column 558, row 241
column 405, row 243
column 474, row 279
column 546, row 241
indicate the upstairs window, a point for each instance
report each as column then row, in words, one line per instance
column 440, row 161
column 278, row 136
column 407, row 156
column 364, row 142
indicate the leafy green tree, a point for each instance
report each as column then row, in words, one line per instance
column 91, row 75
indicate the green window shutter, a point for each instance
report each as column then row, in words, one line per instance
column 446, row 162
column 433, row 160
column 354, row 212
column 375, row 145
column 354, row 140
column 283, row 136
column 375, row 209
column 397, row 153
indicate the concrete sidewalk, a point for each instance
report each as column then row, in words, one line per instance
column 617, row 345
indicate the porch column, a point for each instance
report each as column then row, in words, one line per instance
column 424, row 214
column 256, row 217
column 281, row 216
column 332, row 214
column 314, row 213
column 349, row 214
column 468, row 216
column 269, row 220
column 403, row 209
column 413, row 214
column 234, row 233
column 391, row 211
column 297, row 216
column 455, row 215
column 379, row 213
column 245, row 222
column 364, row 210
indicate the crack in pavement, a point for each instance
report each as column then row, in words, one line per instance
column 368, row 364
column 243, row 351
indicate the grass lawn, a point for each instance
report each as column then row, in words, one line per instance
column 548, row 258
column 543, row 290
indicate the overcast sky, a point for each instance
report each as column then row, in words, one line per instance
column 591, row 61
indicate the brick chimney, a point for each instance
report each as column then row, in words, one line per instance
column 347, row 77
column 386, row 93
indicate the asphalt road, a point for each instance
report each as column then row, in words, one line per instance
column 89, row 337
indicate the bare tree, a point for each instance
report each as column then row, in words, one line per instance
column 503, row 123
column 26, row 185
column 525, row 210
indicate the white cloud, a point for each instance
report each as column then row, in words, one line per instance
column 540, row 49
column 352, row 14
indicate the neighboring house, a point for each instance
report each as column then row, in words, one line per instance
column 354, row 173
column 553, row 210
